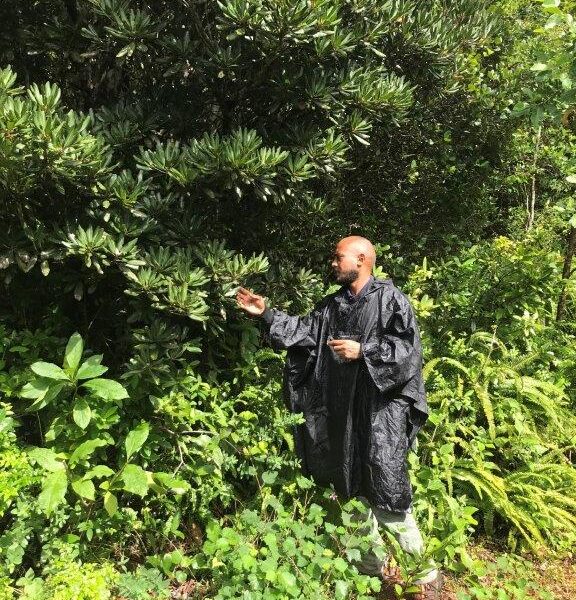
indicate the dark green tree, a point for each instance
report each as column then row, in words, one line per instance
column 205, row 143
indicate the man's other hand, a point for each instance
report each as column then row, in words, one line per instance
column 250, row 302
column 346, row 349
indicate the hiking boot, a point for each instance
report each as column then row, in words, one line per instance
column 428, row 591
column 391, row 575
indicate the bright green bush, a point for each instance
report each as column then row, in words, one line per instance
column 285, row 550
column 67, row 579
column 16, row 472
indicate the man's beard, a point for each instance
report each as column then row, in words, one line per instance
column 347, row 277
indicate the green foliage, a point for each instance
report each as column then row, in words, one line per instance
column 510, row 577
column 143, row 584
column 66, row 579
column 283, row 551
column 16, row 472
column 503, row 416
column 182, row 149
column 84, row 407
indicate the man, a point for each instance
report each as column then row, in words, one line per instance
column 354, row 369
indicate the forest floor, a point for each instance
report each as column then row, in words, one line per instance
column 553, row 575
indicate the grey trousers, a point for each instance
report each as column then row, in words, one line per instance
column 404, row 528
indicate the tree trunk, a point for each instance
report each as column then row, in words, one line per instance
column 566, row 272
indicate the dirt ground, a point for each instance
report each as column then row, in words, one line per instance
column 556, row 576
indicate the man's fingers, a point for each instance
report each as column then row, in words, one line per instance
column 248, row 295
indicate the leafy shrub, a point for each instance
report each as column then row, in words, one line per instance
column 66, row 579
column 507, row 578
column 143, row 584
column 501, row 428
column 16, row 472
column 286, row 550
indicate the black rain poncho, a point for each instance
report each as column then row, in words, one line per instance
column 360, row 416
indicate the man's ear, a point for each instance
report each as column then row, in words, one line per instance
column 361, row 259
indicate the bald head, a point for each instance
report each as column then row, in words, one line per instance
column 354, row 259
column 359, row 245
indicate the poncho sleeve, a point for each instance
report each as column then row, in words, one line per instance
column 393, row 352
column 287, row 331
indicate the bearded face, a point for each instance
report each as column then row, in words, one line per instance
column 346, row 277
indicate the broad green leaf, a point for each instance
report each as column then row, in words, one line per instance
column 84, row 488
column 340, row 564
column 353, row 555
column 47, row 459
column 53, row 491
column 73, row 353
column 135, row 480
column 53, row 390
column 178, row 486
column 136, row 438
column 36, row 389
column 49, row 370
column 551, row 3
column 341, row 590
column 110, row 503
column 287, row 579
column 85, row 449
column 106, row 388
column 82, row 414
column 571, row 179
column 99, row 471
column 91, row 367
column 269, row 477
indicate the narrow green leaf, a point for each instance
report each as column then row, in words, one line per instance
column 135, row 480
column 110, row 503
column 135, row 439
column 99, row 471
column 106, row 388
column 53, row 491
column 82, row 414
column 48, row 370
column 73, row 353
column 91, row 367
column 84, row 488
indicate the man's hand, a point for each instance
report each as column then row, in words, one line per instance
column 346, row 349
column 250, row 302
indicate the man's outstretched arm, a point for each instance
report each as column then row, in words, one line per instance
column 285, row 330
